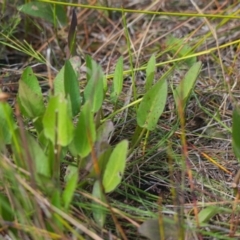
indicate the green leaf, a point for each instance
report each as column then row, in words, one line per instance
column 117, row 80
column 152, row 105
column 85, row 132
column 71, row 87
column 101, row 147
column 150, row 71
column 94, row 91
column 69, row 190
column 207, row 213
column 181, row 48
column 45, row 11
column 99, row 212
column 236, row 131
column 91, row 65
column 56, row 201
column 115, row 167
column 31, row 81
column 183, row 90
column 57, row 122
column 30, row 95
column 102, row 158
column 7, row 124
column 59, row 79
column 30, row 148
column 42, row 165
column 70, row 171
column 6, row 210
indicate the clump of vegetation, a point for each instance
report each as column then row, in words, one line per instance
column 98, row 143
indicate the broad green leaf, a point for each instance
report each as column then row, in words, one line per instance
column 182, row 49
column 69, row 190
column 236, row 132
column 44, row 11
column 207, row 213
column 91, row 65
column 150, row 71
column 99, row 212
column 70, row 171
column 31, row 102
column 31, row 80
column 57, row 123
column 85, row 132
column 117, row 80
column 30, row 95
column 56, row 201
column 152, row 105
column 7, row 124
column 42, row 165
column 183, row 90
column 71, row 87
column 30, row 149
column 115, row 167
column 94, row 91
column 59, row 79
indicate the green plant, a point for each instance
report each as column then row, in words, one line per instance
column 67, row 164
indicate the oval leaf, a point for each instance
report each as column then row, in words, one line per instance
column 59, row 79
column 150, row 71
column 115, row 167
column 69, row 190
column 85, row 133
column 71, row 87
column 30, row 94
column 181, row 48
column 207, row 213
column 117, row 80
column 94, row 91
column 57, row 122
column 183, row 90
column 45, row 11
column 152, row 105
